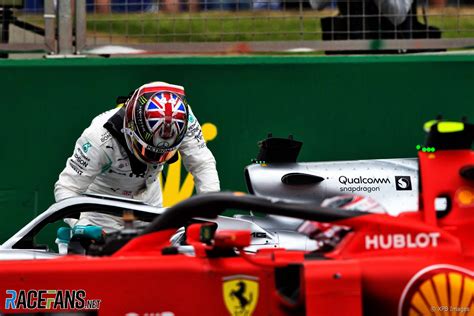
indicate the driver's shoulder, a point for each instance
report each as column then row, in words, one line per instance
column 96, row 133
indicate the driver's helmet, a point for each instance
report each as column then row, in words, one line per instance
column 354, row 203
column 342, row 202
column 155, row 122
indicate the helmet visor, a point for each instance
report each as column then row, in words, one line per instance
column 147, row 153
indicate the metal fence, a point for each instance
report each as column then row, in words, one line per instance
column 105, row 27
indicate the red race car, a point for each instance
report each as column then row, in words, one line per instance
column 418, row 263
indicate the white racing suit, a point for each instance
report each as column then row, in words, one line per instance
column 101, row 163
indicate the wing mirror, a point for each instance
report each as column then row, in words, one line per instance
column 200, row 236
column 228, row 239
column 201, row 233
column 203, row 237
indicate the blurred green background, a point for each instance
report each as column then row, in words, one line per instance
column 340, row 107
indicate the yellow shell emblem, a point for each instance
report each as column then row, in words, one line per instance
column 447, row 290
column 240, row 294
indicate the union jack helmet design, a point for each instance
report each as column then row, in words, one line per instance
column 156, row 120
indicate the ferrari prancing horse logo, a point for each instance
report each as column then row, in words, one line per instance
column 240, row 294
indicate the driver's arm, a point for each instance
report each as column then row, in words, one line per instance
column 198, row 159
column 87, row 161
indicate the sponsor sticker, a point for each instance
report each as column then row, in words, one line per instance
column 86, row 147
column 81, row 153
column 399, row 241
column 191, row 117
column 363, row 180
column 193, row 130
column 105, row 137
column 76, row 167
column 438, row 290
column 80, row 160
column 403, row 183
column 198, row 136
column 148, row 136
column 164, row 144
column 361, row 184
column 240, row 294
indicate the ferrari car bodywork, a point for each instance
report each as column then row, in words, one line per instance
column 417, row 263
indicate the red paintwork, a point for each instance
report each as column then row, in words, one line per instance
column 355, row 279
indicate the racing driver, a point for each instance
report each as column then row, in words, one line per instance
column 123, row 151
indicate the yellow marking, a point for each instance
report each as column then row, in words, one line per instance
column 471, row 310
column 427, row 125
column 428, row 292
column 173, row 190
column 450, row 127
column 441, row 284
column 431, row 156
column 209, row 131
column 468, row 292
column 444, row 127
column 413, row 312
column 455, row 281
column 418, row 302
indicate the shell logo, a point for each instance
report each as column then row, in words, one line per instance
column 442, row 290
